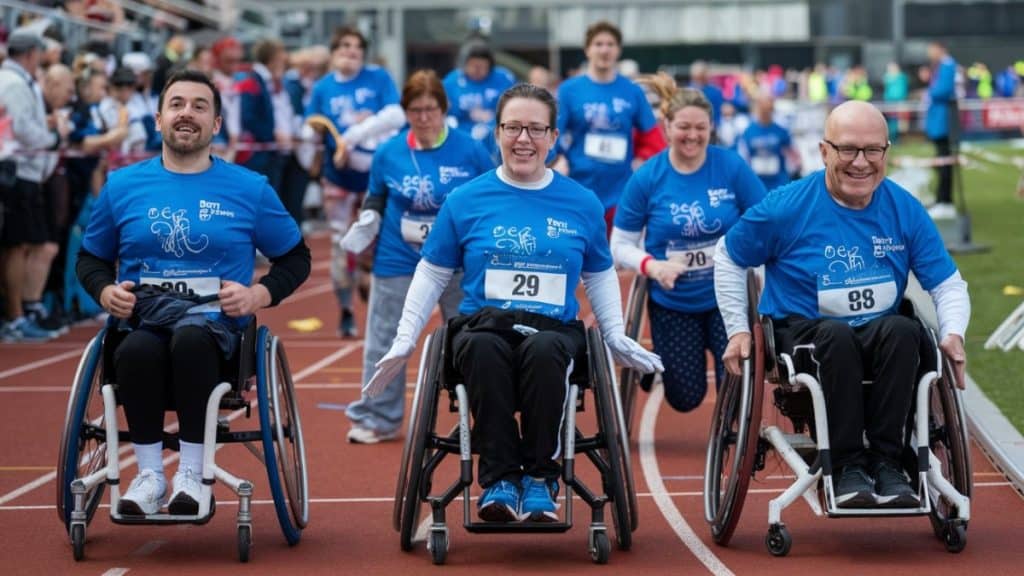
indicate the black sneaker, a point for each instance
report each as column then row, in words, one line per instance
column 854, row 488
column 892, row 488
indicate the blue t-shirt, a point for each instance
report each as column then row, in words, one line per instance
column 416, row 183
column 596, row 123
column 348, row 103
column 715, row 98
column 472, row 104
column 684, row 215
column 823, row 260
column 762, row 147
column 188, row 231
column 520, row 249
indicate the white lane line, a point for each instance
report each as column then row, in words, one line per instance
column 333, row 357
column 64, row 389
column 149, row 547
column 116, row 572
column 649, row 463
column 76, row 353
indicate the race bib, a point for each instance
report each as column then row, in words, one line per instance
column 697, row 257
column 765, row 165
column 525, row 286
column 196, row 286
column 863, row 294
column 605, row 147
column 416, row 228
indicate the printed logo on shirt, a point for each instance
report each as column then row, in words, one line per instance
column 364, row 94
column 557, row 228
column 882, row 246
column 448, row 173
column 207, row 210
column 419, row 190
column 515, row 240
column 596, row 115
column 620, row 105
column 717, row 195
column 843, row 259
column 693, row 220
column 174, row 231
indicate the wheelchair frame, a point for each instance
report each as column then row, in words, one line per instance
column 943, row 485
column 424, row 450
column 635, row 320
column 88, row 462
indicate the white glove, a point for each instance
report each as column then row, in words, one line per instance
column 362, row 233
column 389, row 366
column 628, row 353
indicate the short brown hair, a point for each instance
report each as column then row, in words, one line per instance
column 529, row 92
column 683, row 98
column 602, row 26
column 424, row 83
column 265, row 50
column 342, row 31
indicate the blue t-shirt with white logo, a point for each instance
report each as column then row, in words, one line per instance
column 684, row 216
column 188, row 231
column 472, row 104
column 416, row 183
column 596, row 122
column 762, row 147
column 348, row 103
column 823, row 260
column 520, row 249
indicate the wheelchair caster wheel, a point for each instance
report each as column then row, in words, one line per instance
column 778, row 540
column 438, row 547
column 244, row 543
column 600, row 548
column 78, row 541
column 954, row 536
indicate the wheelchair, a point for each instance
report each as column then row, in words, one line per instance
column 425, row 448
column 937, row 454
column 635, row 319
column 90, row 451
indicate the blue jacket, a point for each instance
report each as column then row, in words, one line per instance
column 941, row 92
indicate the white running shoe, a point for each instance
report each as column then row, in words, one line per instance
column 942, row 211
column 360, row 435
column 188, row 491
column 145, row 494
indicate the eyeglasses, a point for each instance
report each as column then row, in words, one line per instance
column 512, row 131
column 425, row 111
column 849, row 153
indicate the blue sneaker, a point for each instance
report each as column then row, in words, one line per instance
column 538, row 503
column 499, row 502
column 24, row 330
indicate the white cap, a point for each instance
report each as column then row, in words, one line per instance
column 138, row 62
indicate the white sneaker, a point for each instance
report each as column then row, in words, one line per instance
column 145, row 494
column 359, row 435
column 188, row 491
column 942, row 211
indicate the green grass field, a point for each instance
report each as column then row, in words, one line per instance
column 997, row 215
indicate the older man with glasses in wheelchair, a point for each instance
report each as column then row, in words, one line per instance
column 838, row 247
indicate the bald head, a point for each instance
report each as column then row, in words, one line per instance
column 58, row 86
column 855, row 113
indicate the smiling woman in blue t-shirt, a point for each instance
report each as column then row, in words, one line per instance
column 685, row 198
column 525, row 237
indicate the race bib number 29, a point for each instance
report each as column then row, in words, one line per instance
column 525, row 286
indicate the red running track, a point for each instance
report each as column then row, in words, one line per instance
column 352, row 487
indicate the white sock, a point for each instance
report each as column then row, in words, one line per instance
column 191, row 457
column 150, row 456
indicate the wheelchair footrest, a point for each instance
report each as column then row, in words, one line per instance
column 517, row 527
column 803, row 444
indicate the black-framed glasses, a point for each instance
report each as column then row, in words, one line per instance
column 424, row 111
column 534, row 131
column 848, row 153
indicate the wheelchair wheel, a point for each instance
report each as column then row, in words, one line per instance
column 618, row 484
column 948, row 440
column 83, row 449
column 629, row 379
column 412, row 485
column 283, row 449
column 732, row 446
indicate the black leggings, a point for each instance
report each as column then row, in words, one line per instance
column 151, row 371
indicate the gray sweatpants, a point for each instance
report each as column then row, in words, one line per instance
column 384, row 412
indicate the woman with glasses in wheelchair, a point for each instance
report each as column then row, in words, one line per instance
column 525, row 236
column 188, row 224
column 685, row 199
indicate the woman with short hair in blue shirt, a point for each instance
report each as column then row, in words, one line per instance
column 525, row 237
column 685, row 198
column 410, row 177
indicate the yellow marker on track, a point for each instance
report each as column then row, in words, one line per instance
column 306, row 324
column 1010, row 290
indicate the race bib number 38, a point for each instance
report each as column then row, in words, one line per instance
column 525, row 285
